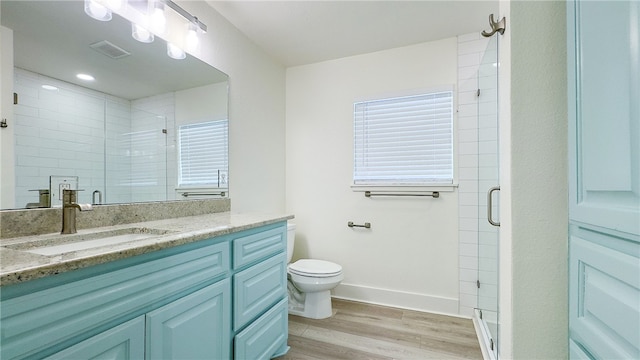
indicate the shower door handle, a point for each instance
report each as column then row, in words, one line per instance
column 490, row 206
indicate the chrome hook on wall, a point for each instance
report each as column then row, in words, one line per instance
column 495, row 26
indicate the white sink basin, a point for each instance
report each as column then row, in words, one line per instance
column 60, row 244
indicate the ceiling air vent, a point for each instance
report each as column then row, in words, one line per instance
column 109, row 49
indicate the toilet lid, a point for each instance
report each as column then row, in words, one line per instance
column 315, row 268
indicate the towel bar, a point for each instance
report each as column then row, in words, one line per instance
column 187, row 194
column 434, row 194
column 366, row 225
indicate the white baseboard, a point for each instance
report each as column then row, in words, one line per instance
column 399, row 299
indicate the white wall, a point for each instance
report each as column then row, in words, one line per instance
column 409, row 257
column 7, row 175
column 533, row 129
column 256, row 112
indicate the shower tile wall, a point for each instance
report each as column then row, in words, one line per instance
column 118, row 161
column 155, row 169
column 55, row 132
column 472, row 161
column 63, row 132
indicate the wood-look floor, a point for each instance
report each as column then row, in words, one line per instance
column 364, row 331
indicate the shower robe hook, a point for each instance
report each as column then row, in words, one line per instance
column 495, row 26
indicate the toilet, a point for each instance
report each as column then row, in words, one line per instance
column 310, row 282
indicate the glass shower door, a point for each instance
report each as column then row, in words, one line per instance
column 136, row 155
column 488, row 185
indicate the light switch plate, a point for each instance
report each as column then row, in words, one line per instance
column 57, row 183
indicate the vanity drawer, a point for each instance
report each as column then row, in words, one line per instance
column 254, row 246
column 265, row 337
column 257, row 288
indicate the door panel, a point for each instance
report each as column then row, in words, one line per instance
column 197, row 326
column 123, row 342
column 604, row 191
column 606, row 177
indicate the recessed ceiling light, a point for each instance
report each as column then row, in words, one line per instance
column 49, row 87
column 86, row 77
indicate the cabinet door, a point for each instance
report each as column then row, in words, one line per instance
column 197, row 326
column 604, row 158
column 122, row 342
column 266, row 337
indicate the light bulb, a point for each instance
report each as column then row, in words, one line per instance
column 157, row 18
column 192, row 37
column 114, row 5
column 85, row 77
column 96, row 10
column 175, row 52
column 141, row 34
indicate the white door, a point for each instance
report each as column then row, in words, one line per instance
column 604, row 174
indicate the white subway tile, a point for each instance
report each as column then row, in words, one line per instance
column 472, row 59
column 468, row 211
column 468, row 160
column 468, row 199
column 468, row 37
column 468, row 287
column 468, row 237
column 467, row 173
column 467, row 135
column 468, row 275
column 468, row 224
column 468, row 250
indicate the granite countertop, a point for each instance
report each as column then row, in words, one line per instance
column 22, row 260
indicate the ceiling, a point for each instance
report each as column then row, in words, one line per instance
column 305, row 31
column 292, row 32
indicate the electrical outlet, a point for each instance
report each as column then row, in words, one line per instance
column 222, row 179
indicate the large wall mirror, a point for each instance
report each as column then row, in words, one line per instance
column 135, row 133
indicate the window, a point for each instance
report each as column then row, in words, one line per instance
column 404, row 140
column 203, row 158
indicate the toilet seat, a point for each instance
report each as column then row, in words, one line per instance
column 315, row 268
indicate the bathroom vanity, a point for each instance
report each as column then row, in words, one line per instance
column 209, row 286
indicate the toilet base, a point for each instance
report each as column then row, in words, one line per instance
column 317, row 305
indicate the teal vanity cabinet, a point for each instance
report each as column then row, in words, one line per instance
column 188, row 301
column 260, row 294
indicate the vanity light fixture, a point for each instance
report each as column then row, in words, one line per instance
column 157, row 19
column 141, row 34
column 114, row 5
column 49, row 87
column 149, row 17
column 175, row 52
column 96, row 10
column 85, row 77
column 192, row 37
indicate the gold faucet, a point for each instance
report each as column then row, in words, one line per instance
column 69, row 206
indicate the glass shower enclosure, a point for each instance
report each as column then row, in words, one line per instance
column 488, row 185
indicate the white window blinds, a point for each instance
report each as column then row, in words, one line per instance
column 404, row 140
column 203, row 159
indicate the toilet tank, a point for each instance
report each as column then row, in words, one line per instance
column 291, row 235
